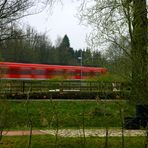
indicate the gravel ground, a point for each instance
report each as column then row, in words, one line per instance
column 78, row 133
column 93, row 132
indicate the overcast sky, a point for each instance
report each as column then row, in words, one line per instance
column 61, row 21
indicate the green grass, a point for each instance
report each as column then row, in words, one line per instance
column 49, row 142
column 64, row 114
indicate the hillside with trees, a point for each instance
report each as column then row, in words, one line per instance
column 33, row 47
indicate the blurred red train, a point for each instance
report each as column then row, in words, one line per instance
column 11, row 70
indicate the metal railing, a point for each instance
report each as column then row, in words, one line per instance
column 17, row 86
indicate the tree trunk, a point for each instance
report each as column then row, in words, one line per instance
column 139, row 53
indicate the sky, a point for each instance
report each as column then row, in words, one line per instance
column 62, row 20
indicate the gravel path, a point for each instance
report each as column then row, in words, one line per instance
column 78, row 133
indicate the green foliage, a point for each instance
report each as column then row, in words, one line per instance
column 65, row 42
column 108, row 77
column 111, row 78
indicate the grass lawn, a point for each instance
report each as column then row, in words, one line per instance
column 50, row 142
column 64, row 114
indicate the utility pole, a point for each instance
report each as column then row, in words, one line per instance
column 81, row 64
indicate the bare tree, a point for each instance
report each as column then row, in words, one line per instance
column 11, row 11
column 111, row 20
column 108, row 21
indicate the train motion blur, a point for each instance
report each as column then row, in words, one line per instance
column 26, row 71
